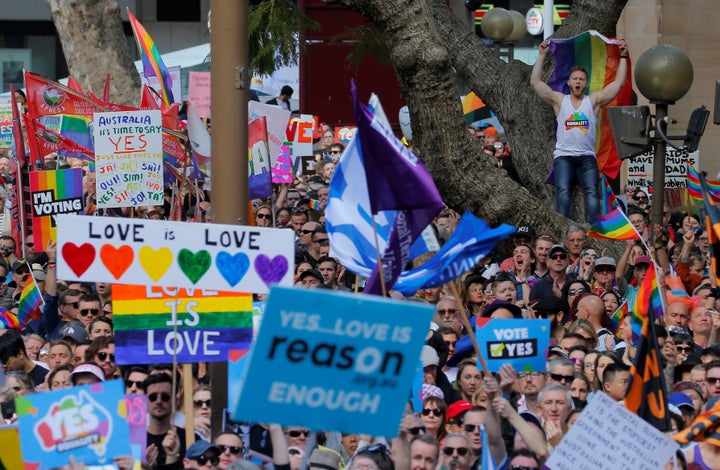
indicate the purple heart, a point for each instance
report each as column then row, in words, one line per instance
column 271, row 271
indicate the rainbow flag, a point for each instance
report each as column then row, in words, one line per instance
column 617, row 318
column 613, row 226
column 314, row 204
column 608, row 202
column 648, row 301
column 600, row 56
column 31, row 301
column 53, row 192
column 8, row 319
column 712, row 225
column 153, row 65
column 694, row 188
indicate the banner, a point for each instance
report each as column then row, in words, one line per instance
column 53, row 193
column 199, row 92
column 333, row 361
column 88, row 422
column 209, row 323
column 174, row 254
column 128, row 158
column 520, row 343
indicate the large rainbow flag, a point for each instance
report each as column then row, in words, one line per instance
column 53, row 192
column 153, row 65
column 29, row 306
column 600, row 56
column 694, row 188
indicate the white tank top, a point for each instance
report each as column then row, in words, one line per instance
column 575, row 128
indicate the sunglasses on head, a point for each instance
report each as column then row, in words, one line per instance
column 89, row 311
column 577, row 291
column 437, row 412
column 296, row 433
column 204, row 459
column 299, row 210
column 200, row 403
column 235, row 450
column 163, row 396
column 103, row 355
column 461, row 451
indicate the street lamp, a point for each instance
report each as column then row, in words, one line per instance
column 504, row 27
column 663, row 75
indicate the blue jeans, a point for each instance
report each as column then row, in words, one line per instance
column 584, row 169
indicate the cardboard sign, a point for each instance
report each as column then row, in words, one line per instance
column 128, row 158
column 277, row 121
column 88, row 422
column 136, row 405
column 333, row 361
column 10, row 453
column 6, row 135
column 522, row 343
column 640, row 168
column 152, row 324
column 53, row 193
column 174, row 254
column 607, row 437
column 199, row 92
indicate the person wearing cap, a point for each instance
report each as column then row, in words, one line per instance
column 686, row 406
column 87, row 373
column 202, row 454
column 604, row 276
column 692, row 390
column 551, row 285
column 454, row 416
column 524, row 235
column 311, row 279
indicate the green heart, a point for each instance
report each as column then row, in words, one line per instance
column 194, row 265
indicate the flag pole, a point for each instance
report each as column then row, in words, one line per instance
column 469, row 328
column 379, row 259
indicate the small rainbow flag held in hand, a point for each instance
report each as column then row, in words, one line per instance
column 649, row 301
column 617, row 318
column 315, row 204
column 153, row 65
column 613, row 226
column 31, row 302
column 695, row 189
column 600, row 56
column 8, row 319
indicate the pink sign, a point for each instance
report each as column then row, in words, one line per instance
column 199, row 92
column 282, row 170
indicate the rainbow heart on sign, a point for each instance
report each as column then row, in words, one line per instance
column 117, row 260
column 78, row 258
column 232, row 267
column 155, row 262
column 194, row 265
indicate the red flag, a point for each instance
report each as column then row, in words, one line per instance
column 74, row 85
column 17, row 206
column 43, row 141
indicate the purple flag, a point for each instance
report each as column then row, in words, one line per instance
column 396, row 181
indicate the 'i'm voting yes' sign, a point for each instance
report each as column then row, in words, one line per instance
column 521, row 343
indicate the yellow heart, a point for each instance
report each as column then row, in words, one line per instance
column 155, row 262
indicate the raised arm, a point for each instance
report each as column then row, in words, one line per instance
column 609, row 93
column 541, row 88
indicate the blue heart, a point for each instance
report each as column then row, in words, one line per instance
column 232, row 267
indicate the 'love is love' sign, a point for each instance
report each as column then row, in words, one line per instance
column 174, row 254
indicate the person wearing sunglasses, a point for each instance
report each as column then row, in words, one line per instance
column 102, row 352
column 433, row 416
column 263, row 216
column 201, row 455
column 552, row 283
column 231, row 449
column 89, row 308
column 456, row 452
column 524, row 459
column 163, row 438
column 202, row 412
column 474, row 419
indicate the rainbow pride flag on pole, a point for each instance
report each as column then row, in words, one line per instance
column 608, row 202
column 712, row 225
column 613, row 226
column 153, row 65
column 649, row 301
column 694, row 188
column 31, row 302
column 600, row 56
column 617, row 318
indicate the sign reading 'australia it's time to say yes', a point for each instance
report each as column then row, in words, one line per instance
column 174, row 254
column 128, row 158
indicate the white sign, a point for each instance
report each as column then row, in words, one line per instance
column 128, row 158
column 640, row 168
column 174, row 254
column 277, row 121
column 534, row 21
column 608, row 436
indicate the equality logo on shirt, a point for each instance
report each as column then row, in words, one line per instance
column 577, row 121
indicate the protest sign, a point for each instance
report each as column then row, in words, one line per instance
column 640, row 168
column 333, row 361
column 6, row 134
column 282, row 170
column 53, row 193
column 136, row 405
column 176, row 87
column 199, row 92
column 174, row 254
column 345, row 134
column 607, row 437
column 152, row 324
column 259, row 184
column 10, row 453
column 520, row 343
column 88, row 422
column 128, row 158
column 276, row 120
column 299, row 137
column 237, row 361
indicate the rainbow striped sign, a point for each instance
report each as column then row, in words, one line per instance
column 51, row 193
column 209, row 324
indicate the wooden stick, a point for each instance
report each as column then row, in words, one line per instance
column 188, row 405
column 379, row 260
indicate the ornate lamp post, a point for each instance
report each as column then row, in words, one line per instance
column 663, row 75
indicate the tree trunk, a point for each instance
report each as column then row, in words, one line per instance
column 94, row 45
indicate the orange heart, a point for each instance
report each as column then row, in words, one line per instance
column 117, row 260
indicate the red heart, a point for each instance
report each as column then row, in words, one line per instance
column 117, row 260
column 79, row 258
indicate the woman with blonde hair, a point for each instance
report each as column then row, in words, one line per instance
column 585, row 329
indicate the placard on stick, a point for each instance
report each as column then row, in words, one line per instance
column 521, row 343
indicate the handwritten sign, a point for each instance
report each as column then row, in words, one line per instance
column 199, row 92
column 345, row 134
column 607, row 437
column 53, row 193
column 299, row 137
column 88, row 422
column 174, row 254
column 136, row 405
column 152, row 324
column 128, row 158
column 282, row 170
column 521, row 343
column 6, row 134
column 347, row 361
column 276, row 120
column 640, row 168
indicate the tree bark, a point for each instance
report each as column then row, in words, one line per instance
column 94, row 44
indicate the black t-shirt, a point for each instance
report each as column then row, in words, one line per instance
column 157, row 440
column 37, row 375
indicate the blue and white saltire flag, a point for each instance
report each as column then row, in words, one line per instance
column 472, row 240
column 486, row 460
column 348, row 217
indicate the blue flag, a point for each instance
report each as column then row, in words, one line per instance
column 397, row 181
column 486, row 461
column 471, row 241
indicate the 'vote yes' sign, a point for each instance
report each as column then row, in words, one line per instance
column 520, row 343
